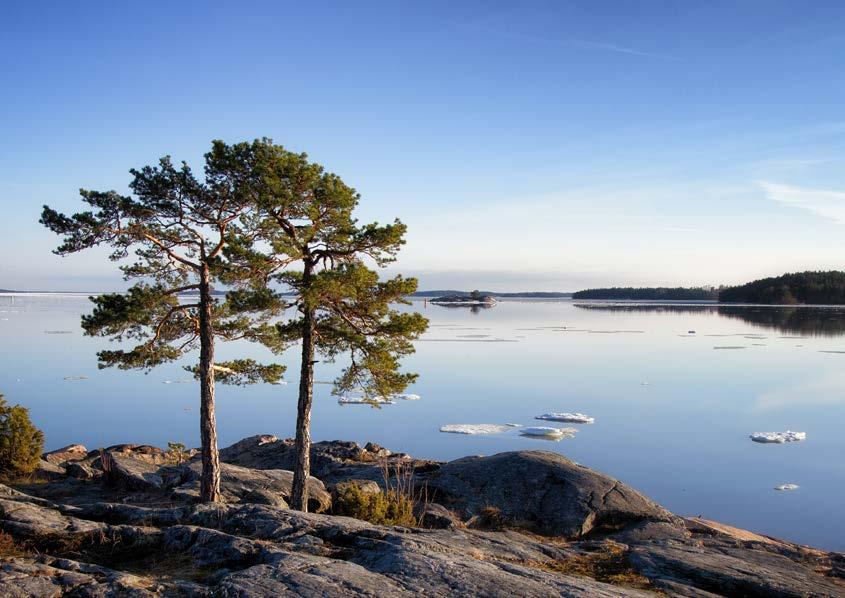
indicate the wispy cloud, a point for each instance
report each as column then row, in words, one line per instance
column 591, row 45
column 825, row 203
column 486, row 27
column 789, row 163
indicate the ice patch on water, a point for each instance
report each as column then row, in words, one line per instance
column 778, row 437
column 180, row 381
column 75, row 378
column 573, row 418
column 474, row 428
column 408, row 397
column 547, row 432
column 787, row 487
column 345, row 400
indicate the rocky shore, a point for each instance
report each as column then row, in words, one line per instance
column 124, row 522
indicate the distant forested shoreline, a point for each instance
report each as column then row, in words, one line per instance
column 808, row 288
column 650, row 293
column 811, row 288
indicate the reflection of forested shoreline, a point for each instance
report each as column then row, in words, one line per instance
column 806, row 321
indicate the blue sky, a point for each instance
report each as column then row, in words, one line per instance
column 533, row 145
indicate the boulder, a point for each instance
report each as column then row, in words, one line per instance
column 265, row 451
column 731, row 570
column 71, row 452
column 142, row 452
column 239, row 483
column 376, row 450
column 47, row 471
column 81, row 471
column 132, row 473
column 543, row 491
column 331, row 461
column 434, row 516
column 259, row 496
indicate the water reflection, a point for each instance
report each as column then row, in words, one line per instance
column 798, row 320
column 473, row 308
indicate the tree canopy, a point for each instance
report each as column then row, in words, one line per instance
column 314, row 247
column 171, row 235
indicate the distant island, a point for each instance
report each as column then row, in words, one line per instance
column 473, row 299
column 651, row 294
column 810, row 288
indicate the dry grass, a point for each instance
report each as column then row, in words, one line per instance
column 9, row 547
column 608, row 564
column 169, row 567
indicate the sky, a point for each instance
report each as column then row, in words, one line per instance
column 528, row 146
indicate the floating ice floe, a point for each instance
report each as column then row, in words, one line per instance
column 786, row 487
column 75, row 378
column 344, row 400
column 778, row 437
column 407, row 397
column 180, row 381
column 546, row 432
column 475, row 428
column 573, row 418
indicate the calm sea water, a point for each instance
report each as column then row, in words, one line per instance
column 681, row 438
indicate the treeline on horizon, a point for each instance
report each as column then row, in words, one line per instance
column 651, row 293
column 812, row 288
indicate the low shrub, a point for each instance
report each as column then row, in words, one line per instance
column 21, row 443
column 381, row 508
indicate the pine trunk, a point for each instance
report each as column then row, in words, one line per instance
column 302, row 468
column 210, row 480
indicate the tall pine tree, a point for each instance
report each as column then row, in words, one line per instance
column 178, row 228
column 315, row 247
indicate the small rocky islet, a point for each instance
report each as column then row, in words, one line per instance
column 124, row 521
column 472, row 300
